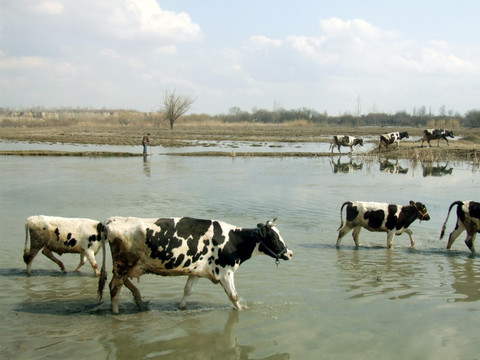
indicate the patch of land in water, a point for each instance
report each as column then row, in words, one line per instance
column 464, row 147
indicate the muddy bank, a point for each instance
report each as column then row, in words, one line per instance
column 464, row 147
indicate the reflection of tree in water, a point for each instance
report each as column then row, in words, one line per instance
column 134, row 342
column 466, row 274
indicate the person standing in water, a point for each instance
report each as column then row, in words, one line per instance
column 145, row 141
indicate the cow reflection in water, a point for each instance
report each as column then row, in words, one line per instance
column 466, row 282
column 392, row 168
column 195, row 344
column 438, row 170
column 345, row 167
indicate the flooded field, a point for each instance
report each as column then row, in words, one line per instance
column 325, row 303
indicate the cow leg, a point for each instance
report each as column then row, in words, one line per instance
column 48, row 253
column 89, row 254
column 135, row 292
column 459, row 227
column 470, row 240
column 115, row 286
column 83, row 260
column 410, row 234
column 390, row 236
column 355, row 233
column 28, row 258
column 187, row 291
column 229, row 287
column 343, row 231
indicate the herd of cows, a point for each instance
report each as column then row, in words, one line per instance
column 213, row 249
column 210, row 249
column 387, row 139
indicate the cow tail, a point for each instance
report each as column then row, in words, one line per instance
column 341, row 214
column 103, row 273
column 448, row 214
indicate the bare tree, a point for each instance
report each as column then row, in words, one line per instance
column 176, row 105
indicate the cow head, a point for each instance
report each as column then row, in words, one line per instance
column 271, row 242
column 358, row 142
column 449, row 133
column 422, row 210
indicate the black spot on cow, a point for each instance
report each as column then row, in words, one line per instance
column 473, row 209
column 375, row 218
column 57, row 232
column 352, row 212
column 232, row 253
column 392, row 220
column 187, row 263
column 91, row 239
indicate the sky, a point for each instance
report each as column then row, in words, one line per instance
column 343, row 56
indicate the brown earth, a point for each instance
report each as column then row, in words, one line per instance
column 465, row 146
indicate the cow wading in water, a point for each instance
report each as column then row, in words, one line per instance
column 468, row 218
column 345, row 140
column 390, row 138
column 184, row 246
column 436, row 134
column 392, row 219
column 62, row 235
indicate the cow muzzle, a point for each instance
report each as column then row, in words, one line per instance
column 287, row 255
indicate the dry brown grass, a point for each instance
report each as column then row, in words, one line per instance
column 91, row 131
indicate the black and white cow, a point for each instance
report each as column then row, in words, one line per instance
column 436, row 134
column 389, row 218
column 345, row 140
column 184, row 246
column 468, row 218
column 62, row 235
column 390, row 138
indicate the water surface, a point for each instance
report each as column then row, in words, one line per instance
column 324, row 303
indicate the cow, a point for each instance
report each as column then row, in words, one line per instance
column 390, row 138
column 345, row 140
column 468, row 218
column 436, row 134
column 389, row 218
column 62, row 235
column 184, row 246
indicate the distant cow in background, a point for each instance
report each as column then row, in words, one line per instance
column 468, row 218
column 345, row 140
column 62, row 235
column 390, row 138
column 436, row 134
column 389, row 218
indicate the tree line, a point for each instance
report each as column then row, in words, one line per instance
column 400, row 118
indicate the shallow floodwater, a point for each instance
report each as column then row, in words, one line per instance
column 325, row 302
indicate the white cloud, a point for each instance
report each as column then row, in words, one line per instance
column 49, row 8
column 258, row 43
column 135, row 18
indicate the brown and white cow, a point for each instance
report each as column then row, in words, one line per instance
column 468, row 218
column 345, row 140
column 62, row 235
column 184, row 246
column 436, row 134
column 389, row 218
column 390, row 138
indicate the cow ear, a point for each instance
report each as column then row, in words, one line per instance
column 412, row 203
column 271, row 223
column 262, row 230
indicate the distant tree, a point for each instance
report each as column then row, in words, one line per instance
column 473, row 118
column 176, row 105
